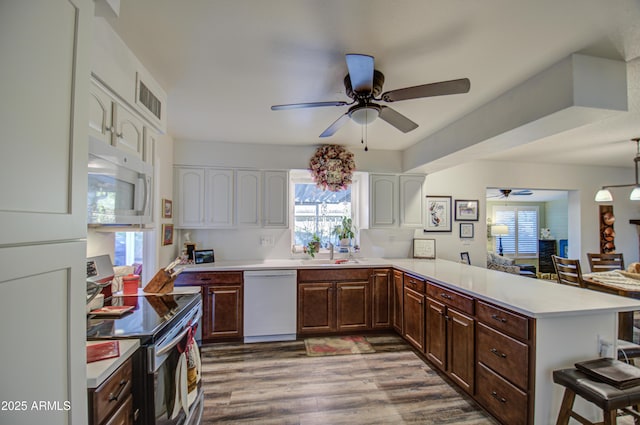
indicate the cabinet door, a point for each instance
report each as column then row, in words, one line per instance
column 411, row 201
column 219, row 198
column 150, row 142
column 382, row 296
column 248, row 184
column 398, row 286
column 190, row 194
column 460, row 350
column 413, row 323
column 100, row 114
column 129, row 135
column 352, row 302
column 383, row 192
column 224, row 317
column 436, row 346
column 316, row 308
column 276, row 199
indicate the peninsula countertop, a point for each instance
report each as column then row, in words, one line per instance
column 535, row 298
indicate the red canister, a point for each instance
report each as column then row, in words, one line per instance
column 130, row 284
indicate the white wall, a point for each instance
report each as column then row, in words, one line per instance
column 466, row 181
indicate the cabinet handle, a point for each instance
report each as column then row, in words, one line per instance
column 498, row 318
column 500, row 399
column 498, row 353
column 445, row 296
column 116, row 396
column 205, row 279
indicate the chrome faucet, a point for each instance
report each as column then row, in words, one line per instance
column 330, row 251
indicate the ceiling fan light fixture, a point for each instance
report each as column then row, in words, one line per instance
column 604, row 195
column 364, row 115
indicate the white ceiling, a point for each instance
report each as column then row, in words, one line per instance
column 223, row 64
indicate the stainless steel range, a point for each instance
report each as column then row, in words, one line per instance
column 167, row 390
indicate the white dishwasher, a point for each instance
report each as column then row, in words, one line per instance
column 270, row 305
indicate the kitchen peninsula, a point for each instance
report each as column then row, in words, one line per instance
column 527, row 327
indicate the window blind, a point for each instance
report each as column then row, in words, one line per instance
column 522, row 221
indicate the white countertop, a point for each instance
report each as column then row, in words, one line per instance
column 533, row 297
column 98, row 371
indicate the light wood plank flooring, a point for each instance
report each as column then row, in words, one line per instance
column 277, row 383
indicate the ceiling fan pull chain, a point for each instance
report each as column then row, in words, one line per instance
column 366, row 136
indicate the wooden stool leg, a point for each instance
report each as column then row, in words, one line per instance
column 565, row 408
column 610, row 417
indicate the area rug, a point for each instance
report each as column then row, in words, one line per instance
column 337, row 346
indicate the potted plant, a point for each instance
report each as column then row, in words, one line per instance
column 314, row 245
column 345, row 231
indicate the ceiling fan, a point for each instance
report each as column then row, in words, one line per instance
column 505, row 193
column 363, row 84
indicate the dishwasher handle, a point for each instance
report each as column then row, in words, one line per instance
column 269, row 273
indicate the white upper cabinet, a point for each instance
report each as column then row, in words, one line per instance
column 219, row 196
column 189, row 193
column 100, row 114
column 411, row 201
column 248, row 191
column 276, row 199
column 383, row 199
column 129, row 132
column 395, row 201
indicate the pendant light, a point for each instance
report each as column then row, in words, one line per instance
column 604, row 195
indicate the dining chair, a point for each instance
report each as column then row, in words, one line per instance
column 605, row 262
column 568, row 271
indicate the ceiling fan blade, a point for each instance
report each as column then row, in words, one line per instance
column 335, row 126
column 307, row 105
column 360, row 72
column 396, row 119
column 428, row 90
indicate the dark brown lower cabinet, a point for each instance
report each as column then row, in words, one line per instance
column 413, row 318
column 398, row 285
column 222, row 299
column 382, row 296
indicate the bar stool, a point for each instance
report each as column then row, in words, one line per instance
column 608, row 398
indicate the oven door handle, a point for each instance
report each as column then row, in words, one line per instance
column 166, row 348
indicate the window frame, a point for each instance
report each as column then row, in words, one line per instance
column 304, row 177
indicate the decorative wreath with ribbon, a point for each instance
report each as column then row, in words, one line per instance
column 332, row 167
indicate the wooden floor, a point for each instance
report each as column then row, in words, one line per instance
column 277, row 383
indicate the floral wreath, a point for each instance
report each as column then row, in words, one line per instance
column 332, row 167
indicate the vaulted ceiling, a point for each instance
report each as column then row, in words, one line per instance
column 223, row 64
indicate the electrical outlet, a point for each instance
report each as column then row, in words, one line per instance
column 266, row 240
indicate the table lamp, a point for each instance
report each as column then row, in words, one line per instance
column 499, row 230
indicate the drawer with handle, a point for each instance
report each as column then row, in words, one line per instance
column 414, row 283
column 112, row 392
column 503, row 320
column 503, row 354
column 507, row 402
column 453, row 299
column 208, row 278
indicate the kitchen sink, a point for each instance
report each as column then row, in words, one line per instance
column 328, row 262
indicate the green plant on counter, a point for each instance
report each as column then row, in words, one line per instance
column 345, row 230
column 314, row 245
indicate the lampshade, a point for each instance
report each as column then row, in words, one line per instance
column 603, row 195
column 364, row 115
column 499, row 230
column 635, row 194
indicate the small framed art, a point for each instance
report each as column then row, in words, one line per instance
column 438, row 217
column 167, row 208
column 466, row 210
column 466, row 230
column 424, row 248
column 464, row 258
column 167, row 234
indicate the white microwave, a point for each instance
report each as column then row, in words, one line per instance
column 120, row 187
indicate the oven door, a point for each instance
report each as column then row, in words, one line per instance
column 175, row 373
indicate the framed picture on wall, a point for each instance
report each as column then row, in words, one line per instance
column 167, row 208
column 424, row 248
column 438, row 218
column 466, row 210
column 167, row 234
column 466, row 230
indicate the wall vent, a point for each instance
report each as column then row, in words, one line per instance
column 149, row 100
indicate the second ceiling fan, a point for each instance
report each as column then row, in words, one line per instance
column 363, row 84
